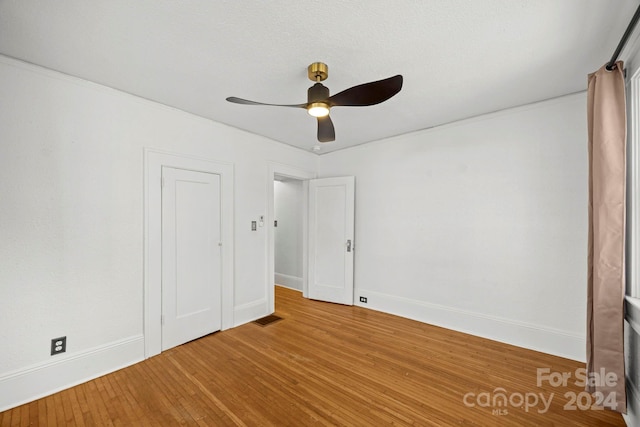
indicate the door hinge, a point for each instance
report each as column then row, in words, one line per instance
column 162, row 319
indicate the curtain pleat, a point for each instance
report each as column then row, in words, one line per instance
column 606, row 109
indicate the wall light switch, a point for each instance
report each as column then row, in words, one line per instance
column 254, row 226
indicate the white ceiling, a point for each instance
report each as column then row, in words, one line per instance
column 459, row 58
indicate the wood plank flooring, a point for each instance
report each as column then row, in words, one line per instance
column 325, row 365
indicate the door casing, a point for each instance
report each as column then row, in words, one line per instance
column 152, row 291
column 278, row 169
column 294, row 173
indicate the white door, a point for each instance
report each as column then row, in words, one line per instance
column 331, row 226
column 191, row 255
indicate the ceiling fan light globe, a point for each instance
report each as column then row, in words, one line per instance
column 318, row 109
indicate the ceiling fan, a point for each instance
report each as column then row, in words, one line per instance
column 319, row 102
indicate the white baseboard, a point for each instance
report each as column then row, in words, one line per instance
column 287, row 281
column 64, row 371
column 249, row 312
column 534, row 337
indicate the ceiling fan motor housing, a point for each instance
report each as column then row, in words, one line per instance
column 318, row 93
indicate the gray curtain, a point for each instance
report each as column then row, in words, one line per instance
column 606, row 109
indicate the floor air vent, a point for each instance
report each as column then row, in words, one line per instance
column 267, row 320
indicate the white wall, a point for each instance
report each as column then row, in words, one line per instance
column 71, row 221
column 478, row 226
column 288, row 206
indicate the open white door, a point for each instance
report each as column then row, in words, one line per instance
column 191, row 255
column 331, row 229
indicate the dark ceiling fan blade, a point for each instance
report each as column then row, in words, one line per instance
column 368, row 93
column 326, row 131
column 247, row 102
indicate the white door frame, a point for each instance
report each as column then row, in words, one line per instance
column 302, row 175
column 153, row 162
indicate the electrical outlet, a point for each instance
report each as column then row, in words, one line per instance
column 58, row 345
column 363, row 299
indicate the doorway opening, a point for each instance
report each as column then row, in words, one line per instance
column 327, row 210
column 288, row 204
column 295, row 183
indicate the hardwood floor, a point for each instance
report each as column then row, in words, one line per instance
column 323, row 364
